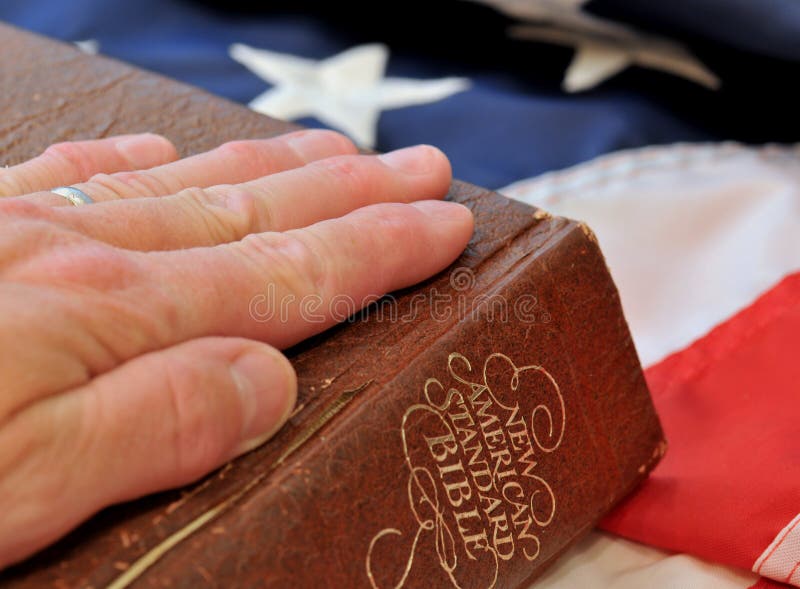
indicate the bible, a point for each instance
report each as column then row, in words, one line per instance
column 460, row 433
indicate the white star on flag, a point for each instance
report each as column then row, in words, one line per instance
column 347, row 91
column 603, row 48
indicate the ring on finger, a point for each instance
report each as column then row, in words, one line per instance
column 73, row 195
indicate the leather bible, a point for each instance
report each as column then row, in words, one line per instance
column 461, row 433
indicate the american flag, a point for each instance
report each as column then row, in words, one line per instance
column 670, row 127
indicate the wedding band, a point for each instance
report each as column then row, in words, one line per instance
column 73, row 195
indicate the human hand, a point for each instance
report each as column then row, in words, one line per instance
column 130, row 360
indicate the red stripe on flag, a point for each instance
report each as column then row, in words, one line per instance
column 730, row 406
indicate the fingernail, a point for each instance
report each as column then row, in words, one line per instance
column 442, row 210
column 146, row 150
column 412, row 160
column 267, row 385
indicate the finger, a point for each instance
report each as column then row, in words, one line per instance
column 284, row 287
column 71, row 162
column 160, row 421
column 322, row 190
column 231, row 163
column 114, row 305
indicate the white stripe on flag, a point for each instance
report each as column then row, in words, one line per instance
column 692, row 233
column 602, row 561
column 781, row 559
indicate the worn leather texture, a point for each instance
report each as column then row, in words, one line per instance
column 462, row 433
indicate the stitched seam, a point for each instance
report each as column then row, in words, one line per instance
column 553, row 187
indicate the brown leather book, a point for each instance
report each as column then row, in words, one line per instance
column 461, row 433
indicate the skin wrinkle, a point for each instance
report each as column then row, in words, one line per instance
column 243, row 211
column 198, row 205
column 130, row 184
column 102, row 187
column 74, row 155
column 9, row 185
column 293, row 267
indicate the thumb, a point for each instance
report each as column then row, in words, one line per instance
column 161, row 420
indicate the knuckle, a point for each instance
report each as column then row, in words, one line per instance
column 168, row 149
column 73, row 154
column 26, row 229
column 230, row 212
column 146, row 183
column 335, row 142
column 206, row 208
column 32, row 446
column 349, row 173
column 197, row 443
column 294, row 263
column 10, row 184
column 342, row 142
column 105, row 187
column 247, row 152
column 237, row 147
column 111, row 294
column 389, row 224
column 393, row 222
column 21, row 208
column 250, row 204
column 79, row 261
column 30, row 248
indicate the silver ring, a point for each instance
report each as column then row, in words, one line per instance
column 73, row 195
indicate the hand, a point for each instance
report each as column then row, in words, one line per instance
column 130, row 361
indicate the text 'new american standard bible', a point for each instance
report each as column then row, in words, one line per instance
column 461, row 433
